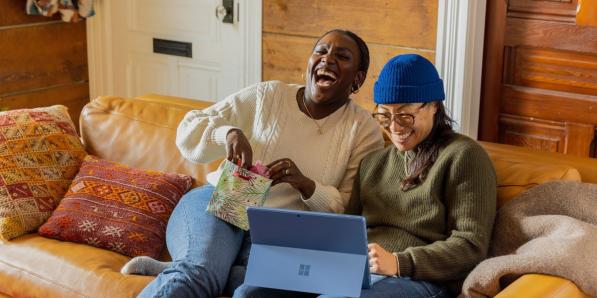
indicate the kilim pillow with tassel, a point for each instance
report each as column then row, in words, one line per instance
column 116, row 207
column 40, row 153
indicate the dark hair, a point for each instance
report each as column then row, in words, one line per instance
column 363, row 49
column 427, row 151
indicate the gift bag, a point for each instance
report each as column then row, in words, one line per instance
column 237, row 189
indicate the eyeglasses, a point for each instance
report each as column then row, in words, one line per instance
column 402, row 119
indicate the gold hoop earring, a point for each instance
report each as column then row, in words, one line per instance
column 354, row 89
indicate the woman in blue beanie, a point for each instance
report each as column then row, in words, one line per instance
column 429, row 200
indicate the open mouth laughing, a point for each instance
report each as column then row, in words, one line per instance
column 325, row 77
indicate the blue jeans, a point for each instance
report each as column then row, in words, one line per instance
column 206, row 252
column 390, row 287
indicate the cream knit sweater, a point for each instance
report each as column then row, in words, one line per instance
column 268, row 114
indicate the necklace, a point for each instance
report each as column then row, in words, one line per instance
column 319, row 127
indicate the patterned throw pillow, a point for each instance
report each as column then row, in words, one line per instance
column 115, row 207
column 40, row 153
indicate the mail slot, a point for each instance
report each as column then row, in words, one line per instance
column 171, row 47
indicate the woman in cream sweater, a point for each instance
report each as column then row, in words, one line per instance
column 312, row 137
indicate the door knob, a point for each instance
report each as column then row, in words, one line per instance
column 225, row 11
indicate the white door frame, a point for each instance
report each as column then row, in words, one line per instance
column 99, row 46
column 99, row 50
column 252, row 10
column 459, row 59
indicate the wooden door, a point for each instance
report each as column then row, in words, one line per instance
column 539, row 77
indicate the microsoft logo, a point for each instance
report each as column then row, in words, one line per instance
column 304, row 270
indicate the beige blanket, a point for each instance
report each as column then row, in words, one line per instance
column 549, row 229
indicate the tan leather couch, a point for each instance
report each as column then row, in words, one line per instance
column 140, row 132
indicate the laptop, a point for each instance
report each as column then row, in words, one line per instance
column 314, row 252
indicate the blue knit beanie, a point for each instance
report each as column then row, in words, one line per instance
column 408, row 78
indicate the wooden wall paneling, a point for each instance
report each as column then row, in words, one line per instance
column 410, row 23
column 574, row 113
column 12, row 12
column 509, row 73
column 533, row 133
column 546, row 104
column 549, row 34
column 594, row 143
column 579, row 138
column 573, row 72
column 43, row 61
column 495, row 24
column 561, row 11
column 285, row 58
column 547, row 96
column 73, row 96
column 41, row 56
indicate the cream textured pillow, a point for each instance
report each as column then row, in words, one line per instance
column 40, row 153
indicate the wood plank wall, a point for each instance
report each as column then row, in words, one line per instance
column 43, row 61
column 291, row 27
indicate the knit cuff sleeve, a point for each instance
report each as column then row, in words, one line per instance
column 219, row 134
column 322, row 198
column 405, row 264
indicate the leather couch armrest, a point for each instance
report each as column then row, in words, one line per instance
column 539, row 286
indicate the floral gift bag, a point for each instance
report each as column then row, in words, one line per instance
column 237, row 189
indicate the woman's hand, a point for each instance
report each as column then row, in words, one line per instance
column 381, row 261
column 238, row 148
column 285, row 170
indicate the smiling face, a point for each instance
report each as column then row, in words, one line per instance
column 333, row 68
column 408, row 137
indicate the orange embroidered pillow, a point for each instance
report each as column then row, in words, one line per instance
column 113, row 206
column 40, row 153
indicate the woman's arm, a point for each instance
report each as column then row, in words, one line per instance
column 471, row 203
column 202, row 135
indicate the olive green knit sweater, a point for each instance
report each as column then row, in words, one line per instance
column 440, row 229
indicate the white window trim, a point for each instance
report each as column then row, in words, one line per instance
column 459, row 59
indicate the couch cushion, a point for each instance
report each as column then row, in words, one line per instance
column 116, row 207
column 585, row 166
column 40, row 153
column 34, row 266
column 140, row 133
column 516, row 176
